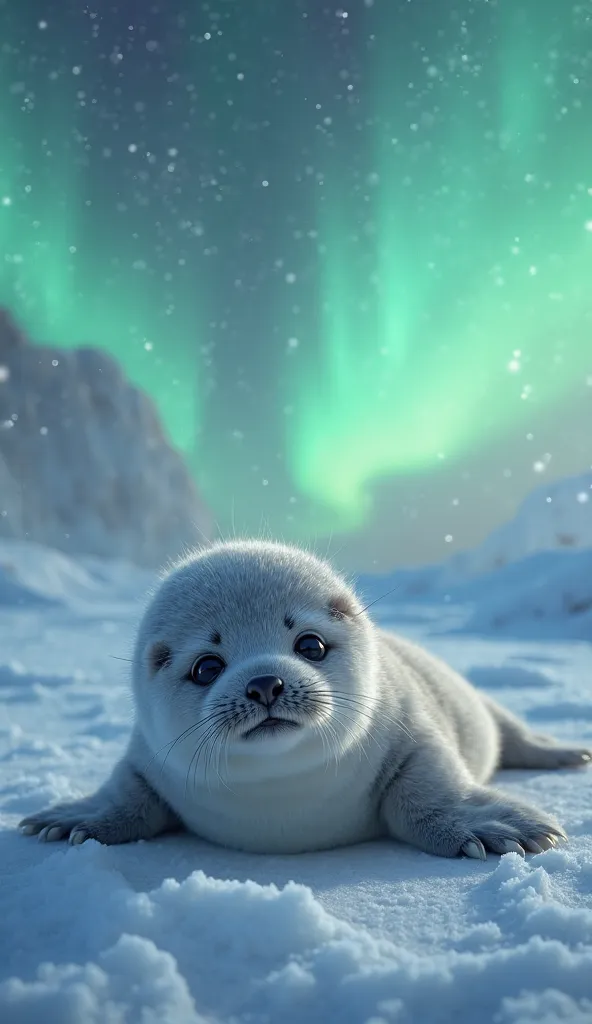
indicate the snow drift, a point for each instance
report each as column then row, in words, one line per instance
column 531, row 577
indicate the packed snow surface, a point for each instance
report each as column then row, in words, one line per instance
column 175, row 931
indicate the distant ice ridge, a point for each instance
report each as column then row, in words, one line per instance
column 531, row 577
column 557, row 516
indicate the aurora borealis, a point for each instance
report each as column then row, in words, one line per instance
column 340, row 246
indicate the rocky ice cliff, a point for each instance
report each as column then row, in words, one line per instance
column 85, row 466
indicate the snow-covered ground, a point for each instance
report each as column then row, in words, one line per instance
column 178, row 932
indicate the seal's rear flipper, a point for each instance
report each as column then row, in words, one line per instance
column 522, row 748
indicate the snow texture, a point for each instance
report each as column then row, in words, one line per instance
column 84, row 463
column 179, row 932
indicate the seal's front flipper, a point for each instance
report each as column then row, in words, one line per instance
column 124, row 810
column 434, row 805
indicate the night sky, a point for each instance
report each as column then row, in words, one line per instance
column 348, row 250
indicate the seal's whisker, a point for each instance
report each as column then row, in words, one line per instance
column 181, row 736
column 330, row 743
column 218, row 747
column 377, row 599
column 212, row 729
column 357, row 739
column 363, row 707
column 171, row 743
column 215, row 715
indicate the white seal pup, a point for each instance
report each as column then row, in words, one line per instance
column 273, row 716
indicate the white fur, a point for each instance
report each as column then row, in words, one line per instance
column 390, row 740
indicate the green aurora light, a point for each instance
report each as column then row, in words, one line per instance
column 430, row 185
column 456, row 280
column 73, row 266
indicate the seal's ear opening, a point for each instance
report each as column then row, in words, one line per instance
column 341, row 606
column 159, row 656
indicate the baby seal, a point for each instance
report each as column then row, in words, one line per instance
column 272, row 715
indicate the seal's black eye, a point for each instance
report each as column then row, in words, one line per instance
column 205, row 670
column 311, row 647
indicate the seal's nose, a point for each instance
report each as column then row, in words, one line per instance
column 264, row 689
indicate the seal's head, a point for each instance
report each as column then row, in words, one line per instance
column 256, row 654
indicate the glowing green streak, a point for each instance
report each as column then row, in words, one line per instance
column 522, row 98
column 58, row 275
column 486, row 254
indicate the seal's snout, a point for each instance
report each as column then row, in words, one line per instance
column 264, row 689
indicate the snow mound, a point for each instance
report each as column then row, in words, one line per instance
column 555, row 516
column 205, row 949
column 546, row 594
column 32, row 574
column 531, row 577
